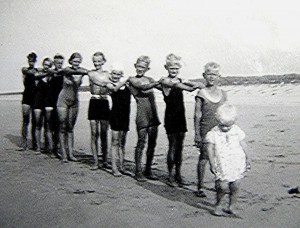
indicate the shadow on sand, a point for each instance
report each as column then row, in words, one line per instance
column 159, row 187
column 16, row 140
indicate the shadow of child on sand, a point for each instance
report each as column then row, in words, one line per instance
column 182, row 195
column 16, row 140
column 159, row 187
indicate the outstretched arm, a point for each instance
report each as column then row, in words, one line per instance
column 40, row 74
column 99, row 79
column 26, row 71
column 193, row 85
column 183, row 85
column 116, row 86
column 142, row 85
column 79, row 71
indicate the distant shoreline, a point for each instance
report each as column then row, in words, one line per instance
column 10, row 93
column 227, row 81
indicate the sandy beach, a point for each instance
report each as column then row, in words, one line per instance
column 39, row 191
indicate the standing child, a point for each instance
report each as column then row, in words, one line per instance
column 207, row 102
column 43, row 105
column 28, row 100
column 228, row 161
column 99, row 110
column 119, row 117
column 147, row 120
column 68, row 105
column 56, row 85
column 175, row 121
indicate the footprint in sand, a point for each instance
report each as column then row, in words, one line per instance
column 270, row 115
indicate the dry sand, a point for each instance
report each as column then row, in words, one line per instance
column 37, row 191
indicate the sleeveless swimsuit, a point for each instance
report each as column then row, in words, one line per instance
column 146, row 108
column 29, row 90
column 175, row 120
column 120, row 111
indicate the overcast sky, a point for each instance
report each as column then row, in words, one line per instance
column 246, row 37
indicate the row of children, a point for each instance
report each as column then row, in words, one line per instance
column 53, row 93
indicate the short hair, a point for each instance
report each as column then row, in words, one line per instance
column 144, row 59
column 32, row 56
column 49, row 60
column 226, row 113
column 74, row 55
column 58, row 56
column 99, row 53
column 173, row 59
column 212, row 68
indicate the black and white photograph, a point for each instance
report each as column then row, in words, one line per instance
column 149, row 113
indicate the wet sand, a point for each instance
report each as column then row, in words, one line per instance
column 38, row 191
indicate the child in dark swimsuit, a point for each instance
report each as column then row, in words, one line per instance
column 147, row 120
column 207, row 102
column 28, row 100
column 56, row 85
column 175, row 121
column 119, row 117
column 43, row 104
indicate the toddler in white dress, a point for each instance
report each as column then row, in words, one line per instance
column 227, row 157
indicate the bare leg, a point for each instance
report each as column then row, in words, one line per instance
column 170, row 159
column 62, row 117
column 152, row 136
column 48, row 128
column 26, row 118
column 33, row 127
column 178, row 157
column 94, row 142
column 220, row 188
column 201, row 172
column 142, row 134
column 70, row 127
column 233, row 187
column 103, row 136
column 114, row 152
column 38, row 119
column 122, row 142
column 55, row 130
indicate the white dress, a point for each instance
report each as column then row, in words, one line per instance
column 230, row 158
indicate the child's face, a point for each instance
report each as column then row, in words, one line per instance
column 226, row 126
column 173, row 70
column 211, row 79
column 76, row 62
column 141, row 68
column 47, row 65
column 98, row 62
column 31, row 62
column 116, row 75
column 58, row 63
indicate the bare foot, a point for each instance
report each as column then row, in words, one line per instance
column 116, row 173
column 104, row 165
column 125, row 172
column 200, row 193
column 218, row 211
column 94, row 167
column 140, row 177
column 64, row 160
column 171, row 181
column 72, row 158
column 230, row 211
